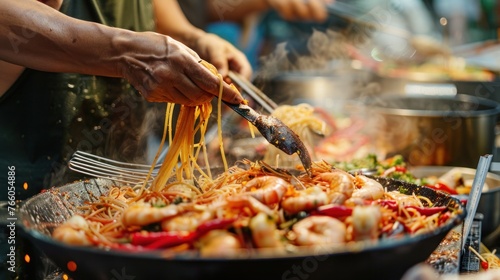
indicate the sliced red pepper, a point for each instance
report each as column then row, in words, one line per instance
column 331, row 210
column 170, row 239
column 214, row 224
column 427, row 211
column 390, row 204
column 127, row 247
column 163, row 239
column 443, row 218
column 442, row 187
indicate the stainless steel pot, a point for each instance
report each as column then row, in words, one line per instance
column 489, row 203
column 431, row 130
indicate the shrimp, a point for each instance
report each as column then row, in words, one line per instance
column 141, row 214
column 365, row 220
column 182, row 189
column 367, row 188
column 186, row 222
column 270, row 189
column 264, row 232
column 308, row 199
column 319, row 230
column 73, row 231
column 340, row 185
column 219, row 243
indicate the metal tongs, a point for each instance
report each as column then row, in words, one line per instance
column 271, row 128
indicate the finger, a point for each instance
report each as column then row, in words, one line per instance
column 299, row 9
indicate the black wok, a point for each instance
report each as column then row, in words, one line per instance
column 389, row 259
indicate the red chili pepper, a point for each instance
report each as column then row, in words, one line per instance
column 127, row 247
column 428, row 211
column 145, row 238
column 214, row 224
column 163, row 239
column 390, row 204
column 171, row 239
column 336, row 211
column 443, row 187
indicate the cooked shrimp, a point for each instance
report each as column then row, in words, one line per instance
column 267, row 189
column 367, row 188
column 185, row 222
column 141, row 214
column 241, row 201
column 264, row 232
column 73, row 231
column 308, row 199
column 340, row 185
column 365, row 220
column 219, row 243
column 319, row 230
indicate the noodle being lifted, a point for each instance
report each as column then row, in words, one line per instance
column 249, row 206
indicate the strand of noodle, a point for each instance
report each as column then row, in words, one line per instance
column 219, row 122
column 158, row 152
column 111, row 226
column 251, row 128
column 203, row 128
column 170, row 113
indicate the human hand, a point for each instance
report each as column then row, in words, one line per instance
column 300, row 9
column 171, row 72
column 222, row 54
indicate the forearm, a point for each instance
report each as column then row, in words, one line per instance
column 170, row 20
column 39, row 37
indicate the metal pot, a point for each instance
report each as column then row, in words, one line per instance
column 489, row 203
column 431, row 130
